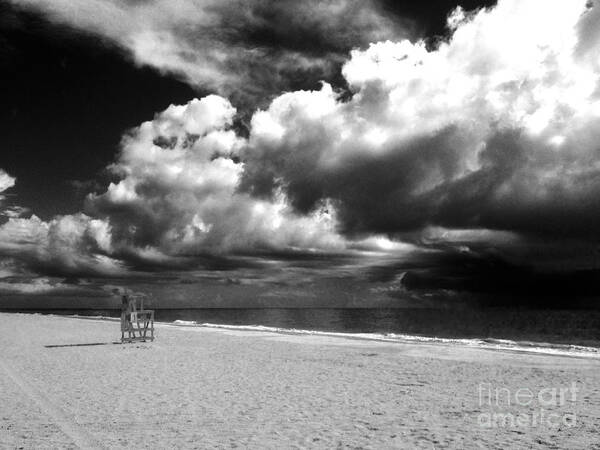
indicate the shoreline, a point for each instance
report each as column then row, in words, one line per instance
column 490, row 344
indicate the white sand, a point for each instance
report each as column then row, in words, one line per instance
column 199, row 388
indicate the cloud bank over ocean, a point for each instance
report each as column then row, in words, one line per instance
column 482, row 148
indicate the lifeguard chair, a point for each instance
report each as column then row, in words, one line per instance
column 137, row 323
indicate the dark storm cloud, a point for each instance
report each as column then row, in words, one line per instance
column 376, row 192
column 387, row 192
column 488, row 279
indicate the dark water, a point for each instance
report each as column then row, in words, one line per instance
column 576, row 327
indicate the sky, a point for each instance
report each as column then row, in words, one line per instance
column 321, row 153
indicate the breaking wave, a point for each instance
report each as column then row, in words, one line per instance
column 488, row 343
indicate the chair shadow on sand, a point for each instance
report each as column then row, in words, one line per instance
column 82, row 345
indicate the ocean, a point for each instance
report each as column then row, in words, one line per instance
column 551, row 328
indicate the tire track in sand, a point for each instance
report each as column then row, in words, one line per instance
column 79, row 436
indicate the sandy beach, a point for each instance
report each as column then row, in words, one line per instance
column 214, row 388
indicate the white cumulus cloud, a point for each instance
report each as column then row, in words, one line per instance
column 234, row 47
column 6, row 181
column 498, row 127
column 178, row 192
